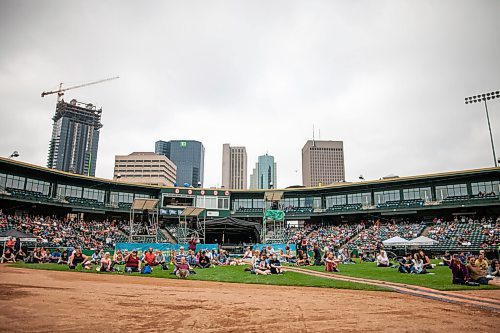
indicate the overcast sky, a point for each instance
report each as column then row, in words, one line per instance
column 386, row 77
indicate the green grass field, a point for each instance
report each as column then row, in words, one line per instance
column 235, row 274
column 440, row 280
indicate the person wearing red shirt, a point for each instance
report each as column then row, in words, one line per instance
column 150, row 258
column 132, row 262
column 10, row 243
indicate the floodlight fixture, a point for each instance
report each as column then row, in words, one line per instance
column 483, row 98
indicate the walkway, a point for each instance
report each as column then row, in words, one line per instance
column 445, row 296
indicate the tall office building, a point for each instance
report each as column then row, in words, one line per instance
column 188, row 156
column 234, row 167
column 75, row 138
column 145, row 168
column 322, row 162
column 264, row 173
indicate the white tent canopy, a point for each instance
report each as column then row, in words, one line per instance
column 395, row 241
column 422, row 241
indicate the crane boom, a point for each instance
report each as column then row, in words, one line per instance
column 61, row 91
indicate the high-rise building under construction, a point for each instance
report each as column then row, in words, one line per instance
column 75, row 138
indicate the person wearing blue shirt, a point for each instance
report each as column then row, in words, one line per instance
column 55, row 256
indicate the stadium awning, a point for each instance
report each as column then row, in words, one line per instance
column 422, row 241
column 395, row 241
column 273, row 195
column 192, row 211
column 145, row 204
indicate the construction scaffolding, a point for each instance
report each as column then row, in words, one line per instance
column 191, row 226
column 273, row 222
column 144, row 221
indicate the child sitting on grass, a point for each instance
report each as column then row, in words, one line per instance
column 331, row 264
column 183, row 268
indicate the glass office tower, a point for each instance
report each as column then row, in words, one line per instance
column 188, row 156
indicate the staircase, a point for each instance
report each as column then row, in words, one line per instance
column 168, row 236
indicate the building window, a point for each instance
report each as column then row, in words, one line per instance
column 454, row 190
column 417, row 193
column 38, row 186
column 3, row 178
column 93, row 194
column 485, row 187
column 69, row 191
column 359, row 198
column 223, row 203
column 335, row 200
column 384, row 196
column 15, row 182
column 123, row 197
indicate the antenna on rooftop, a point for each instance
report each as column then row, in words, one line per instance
column 314, row 142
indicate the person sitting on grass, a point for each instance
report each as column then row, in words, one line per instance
column 261, row 266
column 132, row 262
column 96, row 257
column 304, row 260
column 494, row 269
column 204, row 261
column 78, row 258
column 382, row 259
column 460, row 273
column 63, row 260
column 446, row 259
column 275, row 265
column 45, row 255
column 150, row 258
column 181, row 254
column 37, row 256
column 288, row 255
column 418, row 265
column 7, row 256
column 477, row 274
column 118, row 259
column 55, row 256
column 105, row 263
column 161, row 260
column 481, row 261
column 248, row 254
column 223, row 259
column 426, row 260
column 20, row 255
column 405, row 264
column 182, row 269
column 331, row 263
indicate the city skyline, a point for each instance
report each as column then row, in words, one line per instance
column 393, row 93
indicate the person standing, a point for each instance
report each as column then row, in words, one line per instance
column 317, row 255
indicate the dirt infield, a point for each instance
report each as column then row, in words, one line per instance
column 47, row 301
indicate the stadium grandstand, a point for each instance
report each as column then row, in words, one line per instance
column 457, row 209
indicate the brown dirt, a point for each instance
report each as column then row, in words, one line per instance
column 48, row 301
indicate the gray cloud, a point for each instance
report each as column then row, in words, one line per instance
column 387, row 77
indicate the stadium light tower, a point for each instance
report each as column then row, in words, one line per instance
column 484, row 98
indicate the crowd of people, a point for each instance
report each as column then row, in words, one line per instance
column 472, row 270
column 55, row 232
column 370, row 238
column 466, row 231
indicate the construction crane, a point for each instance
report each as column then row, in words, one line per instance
column 60, row 91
